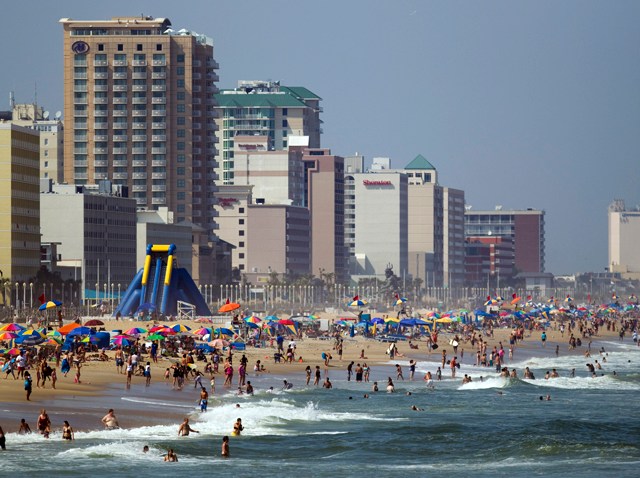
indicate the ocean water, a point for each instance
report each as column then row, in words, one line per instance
column 493, row 427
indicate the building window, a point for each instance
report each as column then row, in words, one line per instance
column 241, row 244
column 241, row 210
column 285, row 111
column 241, row 255
column 180, row 171
column 284, row 144
column 285, row 123
column 181, row 95
column 46, row 164
column 241, row 232
column 180, row 183
column 158, row 46
column 181, row 195
column 181, row 108
column 241, row 267
column 181, row 158
column 181, row 120
column 100, row 46
column 46, row 152
column 180, row 145
column 180, row 59
column 139, row 47
column 181, row 133
column 180, row 207
column 180, row 83
column 180, row 71
column 120, row 47
column 46, row 141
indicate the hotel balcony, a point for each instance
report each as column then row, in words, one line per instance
column 120, row 76
column 119, row 113
column 139, row 87
column 100, row 101
column 139, row 101
column 100, row 150
column 139, row 137
column 119, row 62
column 100, row 63
column 120, row 101
column 120, row 175
column 139, row 175
column 80, row 88
column 139, row 63
column 158, row 88
column 158, row 150
column 158, row 75
column 158, row 137
column 158, row 112
column 158, row 200
column 100, row 88
column 158, row 162
column 139, row 187
column 139, row 125
column 101, row 175
column 119, row 87
column 158, row 187
column 159, row 101
column 120, row 137
column 139, row 163
column 158, row 125
column 139, row 75
column 139, row 151
column 101, row 76
column 119, row 150
column 101, row 137
column 139, row 112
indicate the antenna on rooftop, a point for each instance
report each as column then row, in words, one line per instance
column 45, row 115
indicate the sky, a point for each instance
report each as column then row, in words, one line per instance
column 520, row 104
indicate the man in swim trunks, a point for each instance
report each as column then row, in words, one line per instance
column 204, row 400
column 185, row 429
column 110, row 421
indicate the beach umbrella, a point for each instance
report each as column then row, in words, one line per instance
column 50, row 304
column 394, row 320
column 204, row 331
column 515, row 299
column 286, row 322
column 8, row 335
column 223, row 331
column 400, row 300
column 444, row 320
column 252, row 319
column 54, row 341
column 90, row 339
column 271, row 318
column 65, row 329
column 203, row 320
column 158, row 327
column 93, row 323
column 377, row 320
column 179, row 328
column 135, row 331
column 357, row 302
column 80, row 331
column 121, row 340
column 13, row 351
column 34, row 339
column 218, row 343
column 11, row 328
column 156, row 337
column 229, row 307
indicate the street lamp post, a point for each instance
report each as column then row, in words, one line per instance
column 17, row 300
column 24, row 295
column 31, row 295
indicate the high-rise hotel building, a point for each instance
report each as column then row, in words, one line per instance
column 139, row 108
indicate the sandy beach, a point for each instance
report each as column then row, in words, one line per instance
column 102, row 387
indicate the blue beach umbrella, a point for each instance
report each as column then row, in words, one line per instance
column 80, row 331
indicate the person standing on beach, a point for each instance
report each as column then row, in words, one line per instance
column 349, row 371
column 316, row 380
column 28, row 384
column 543, row 338
column 110, row 421
column 308, row 372
column 359, row 372
column 412, row 369
column 399, row 375
column 119, row 360
column 3, row 440
column 147, row 373
column 225, row 446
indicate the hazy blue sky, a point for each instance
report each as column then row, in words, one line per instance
column 523, row 104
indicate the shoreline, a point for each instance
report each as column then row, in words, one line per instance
column 84, row 404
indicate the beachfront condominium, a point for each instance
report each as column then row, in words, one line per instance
column 624, row 236
column 51, row 137
column 265, row 108
column 524, row 227
column 324, row 197
column 139, row 106
column 381, row 225
column 435, row 227
column 19, row 208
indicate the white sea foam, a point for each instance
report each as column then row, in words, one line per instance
column 491, row 382
column 606, row 382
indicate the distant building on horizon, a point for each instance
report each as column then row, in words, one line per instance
column 265, row 108
column 51, row 137
column 526, row 228
column 20, row 205
column 624, row 237
column 139, row 110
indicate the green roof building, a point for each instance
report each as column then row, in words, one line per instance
column 265, row 108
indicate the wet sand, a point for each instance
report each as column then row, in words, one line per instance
column 101, row 387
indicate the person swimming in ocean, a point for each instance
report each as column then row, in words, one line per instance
column 185, row 428
column 237, row 427
column 390, row 386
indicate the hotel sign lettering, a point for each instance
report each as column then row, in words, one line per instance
column 370, row 182
column 226, row 202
